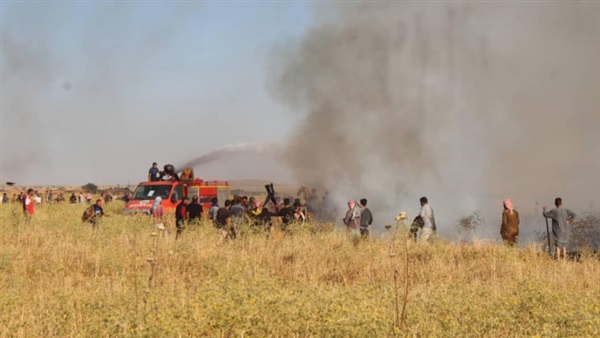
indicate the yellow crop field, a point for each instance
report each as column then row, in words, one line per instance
column 59, row 277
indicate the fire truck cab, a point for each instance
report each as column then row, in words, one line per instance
column 172, row 192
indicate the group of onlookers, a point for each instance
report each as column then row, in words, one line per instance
column 49, row 198
column 228, row 217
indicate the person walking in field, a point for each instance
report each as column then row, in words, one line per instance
column 28, row 205
column 366, row 218
column 428, row 219
column 182, row 215
column 509, row 230
column 73, row 198
column 561, row 224
column 158, row 214
column 93, row 213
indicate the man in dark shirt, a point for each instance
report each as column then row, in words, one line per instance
column 153, row 173
column 181, row 215
column 223, row 221
column 265, row 216
column 366, row 218
column 287, row 212
column 195, row 210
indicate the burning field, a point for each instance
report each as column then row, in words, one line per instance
column 475, row 105
column 61, row 278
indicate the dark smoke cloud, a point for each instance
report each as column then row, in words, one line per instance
column 464, row 103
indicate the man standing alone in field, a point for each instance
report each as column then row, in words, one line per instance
column 561, row 221
column 428, row 219
column 510, row 224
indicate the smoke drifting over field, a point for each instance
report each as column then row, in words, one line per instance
column 464, row 103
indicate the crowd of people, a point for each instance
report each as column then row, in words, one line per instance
column 276, row 213
column 357, row 219
column 50, row 197
column 230, row 215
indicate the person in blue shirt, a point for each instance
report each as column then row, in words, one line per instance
column 93, row 213
column 153, row 173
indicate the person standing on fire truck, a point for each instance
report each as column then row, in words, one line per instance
column 153, row 173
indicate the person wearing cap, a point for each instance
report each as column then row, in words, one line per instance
column 153, row 173
column 195, row 210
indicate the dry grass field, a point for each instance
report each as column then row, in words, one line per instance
column 61, row 278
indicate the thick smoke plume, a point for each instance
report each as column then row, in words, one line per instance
column 463, row 103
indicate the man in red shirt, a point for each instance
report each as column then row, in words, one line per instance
column 28, row 207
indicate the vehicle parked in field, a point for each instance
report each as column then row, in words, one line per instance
column 173, row 191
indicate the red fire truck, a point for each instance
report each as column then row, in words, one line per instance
column 173, row 191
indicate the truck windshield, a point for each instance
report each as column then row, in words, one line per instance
column 150, row 192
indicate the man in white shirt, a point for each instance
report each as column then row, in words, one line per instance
column 428, row 219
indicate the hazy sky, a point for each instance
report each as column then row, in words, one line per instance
column 94, row 92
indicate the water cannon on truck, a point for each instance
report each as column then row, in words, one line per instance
column 172, row 188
